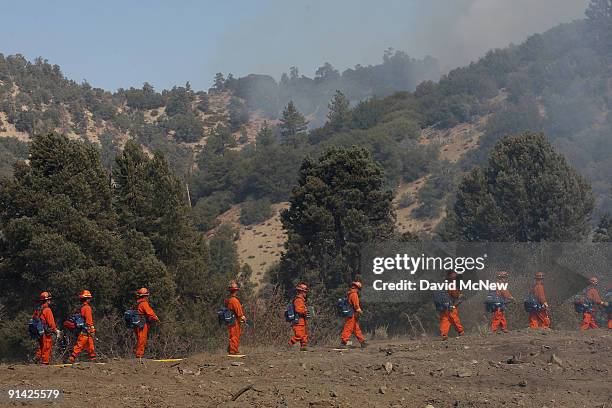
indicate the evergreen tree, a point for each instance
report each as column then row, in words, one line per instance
column 339, row 116
column 292, row 124
column 339, row 203
column 526, row 193
column 60, row 232
column 265, row 136
column 603, row 232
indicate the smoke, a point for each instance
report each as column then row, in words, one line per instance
column 349, row 32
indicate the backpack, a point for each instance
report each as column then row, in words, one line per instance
column 345, row 309
column 133, row 320
column 226, row 316
column 494, row 302
column 531, row 304
column 75, row 322
column 443, row 301
column 582, row 304
column 291, row 316
column 36, row 326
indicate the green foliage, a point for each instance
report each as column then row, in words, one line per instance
column 292, row 124
column 178, row 100
column 255, row 211
column 526, row 193
column 603, row 232
column 339, row 203
column 11, row 150
column 187, row 127
column 204, row 213
column 145, row 98
column 339, row 116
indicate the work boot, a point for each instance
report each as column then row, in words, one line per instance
column 71, row 359
column 364, row 344
column 444, row 338
column 343, row 346
column 304, row 348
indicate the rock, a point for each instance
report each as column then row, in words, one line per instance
column 463, row 373
column 237, row 363
column 555, row 360
column 429, row 406
column 333, row 394
column 388, row 366
column 382, row 389
column 522, row 383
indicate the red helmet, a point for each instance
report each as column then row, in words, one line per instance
column 451, row 274
column 302, row 288
column 502, row 274
column 142, row 292
column 539, row 275
column 356, row 284
column 85, row 295
column 44, row 296
column 594, row 280
column 233, row 286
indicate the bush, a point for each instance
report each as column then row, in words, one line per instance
column 406, row 200
column 255, row 211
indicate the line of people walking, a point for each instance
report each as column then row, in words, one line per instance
column 42, row 325
column 536, row 305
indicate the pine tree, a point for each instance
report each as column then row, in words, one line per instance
column 339, row 116
column 603, row 233
column 526, row 193
column 292, row 124
column 340, row 202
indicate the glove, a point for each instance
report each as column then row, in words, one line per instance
column 91, row 330
column 58, row 333
column 243, row 319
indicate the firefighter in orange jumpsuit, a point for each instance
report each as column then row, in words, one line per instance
column 499, row 316
column 86, row 336
column 450, row 317
column 146, row 312
column 233, row 304
column 589, row 319
column 45, row 342
column 351, row 324
column 299, row 327
column 540, row 318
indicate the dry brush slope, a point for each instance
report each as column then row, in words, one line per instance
column 472, row 371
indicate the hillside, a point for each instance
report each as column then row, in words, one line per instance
column 424, row 137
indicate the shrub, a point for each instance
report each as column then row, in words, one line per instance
column 255, row 211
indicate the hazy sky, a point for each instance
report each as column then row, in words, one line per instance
column 124, row 43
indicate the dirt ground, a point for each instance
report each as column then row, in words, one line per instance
column 520, row 369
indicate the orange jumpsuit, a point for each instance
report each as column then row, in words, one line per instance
column 499, row 317
column 85, row 338
column 145, row 311
column 45, row 342
column 450, row 318
column 233, row 304
column 351, row 324
column 589, row 320
column 299, row 328
column 539, row 319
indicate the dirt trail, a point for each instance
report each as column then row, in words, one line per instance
column 472, row 371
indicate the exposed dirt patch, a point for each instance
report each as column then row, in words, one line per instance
column 520, row 369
